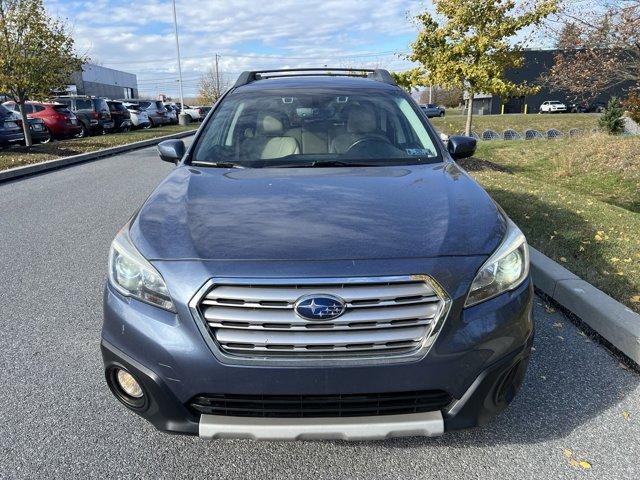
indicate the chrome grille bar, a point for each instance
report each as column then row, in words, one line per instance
column 290, row 294
column 381, row 314
column 257, row 319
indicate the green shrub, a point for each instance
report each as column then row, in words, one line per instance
column 632, row 105
column 611, row 120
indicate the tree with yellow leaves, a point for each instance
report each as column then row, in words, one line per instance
column 470, row 44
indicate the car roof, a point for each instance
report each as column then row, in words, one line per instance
column 320, row 81
column 35, row 102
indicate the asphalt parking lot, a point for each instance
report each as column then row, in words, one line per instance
column 59, row 420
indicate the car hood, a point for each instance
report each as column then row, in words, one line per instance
column 351, row 213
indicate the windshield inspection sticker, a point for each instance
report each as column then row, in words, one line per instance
column 419, row 152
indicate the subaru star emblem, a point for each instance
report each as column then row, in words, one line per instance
column 320, row 307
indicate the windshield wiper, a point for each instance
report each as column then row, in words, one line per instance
column 323, row 163
column 218, row 164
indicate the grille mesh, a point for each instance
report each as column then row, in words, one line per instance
column 292, row 406
column 380, row 319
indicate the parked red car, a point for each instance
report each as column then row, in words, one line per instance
column 59, row 120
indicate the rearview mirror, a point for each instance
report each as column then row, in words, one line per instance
column 171, row 151
column 461, row 147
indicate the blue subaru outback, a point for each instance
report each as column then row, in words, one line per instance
column 317, row 266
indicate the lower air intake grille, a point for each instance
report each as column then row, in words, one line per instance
column 373, row 317
column 293, row 406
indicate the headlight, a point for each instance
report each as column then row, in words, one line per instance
column 505, row 269
column 133, row 276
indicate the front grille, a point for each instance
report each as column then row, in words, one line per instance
column 293, row 406
column 381, row 318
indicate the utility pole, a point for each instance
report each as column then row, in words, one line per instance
column 217, row 77
column 183, row 117
column 430, row 93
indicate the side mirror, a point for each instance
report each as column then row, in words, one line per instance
column 461, row 147
column 171, row 151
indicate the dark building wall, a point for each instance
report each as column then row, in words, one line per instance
column 536, row 64
column 103, row 90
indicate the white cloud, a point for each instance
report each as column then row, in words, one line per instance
column 138, row 36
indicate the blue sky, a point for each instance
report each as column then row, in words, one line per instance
column 137, row 35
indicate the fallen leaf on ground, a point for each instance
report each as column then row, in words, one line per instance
column 626, row 415
column 558, row 325
column 584, row 464
column 575, row 463
column 549, row 309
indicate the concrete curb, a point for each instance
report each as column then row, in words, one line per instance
column 17, row 172
column 618, row 324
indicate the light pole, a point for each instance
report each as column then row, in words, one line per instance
column 184, row 118
column 217, row 77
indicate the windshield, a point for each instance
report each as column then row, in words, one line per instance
column 315, row 127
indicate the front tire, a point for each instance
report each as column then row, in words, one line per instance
column 84, row 132
column 48, row 138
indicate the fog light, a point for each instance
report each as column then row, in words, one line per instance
column 128, row 384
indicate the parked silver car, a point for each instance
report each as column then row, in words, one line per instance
column 156, row 111
column 139, row 117
column 172, row 113
column 196, row 113
column 433, row 110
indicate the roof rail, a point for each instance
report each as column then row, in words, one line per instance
column 378, row 74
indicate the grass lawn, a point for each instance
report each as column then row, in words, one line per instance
column 576, row 199
column 454, row 123
column 17, row 156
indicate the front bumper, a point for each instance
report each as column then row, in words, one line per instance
column 479, row 358
column 427, row 424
